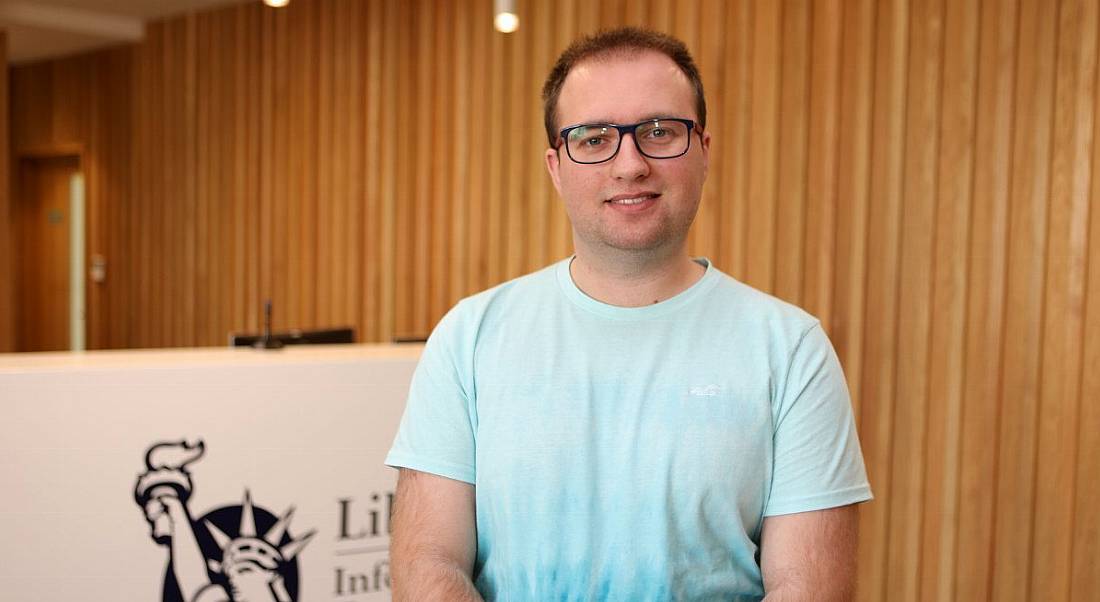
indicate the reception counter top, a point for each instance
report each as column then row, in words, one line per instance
column 182, row 357
column 121, row 467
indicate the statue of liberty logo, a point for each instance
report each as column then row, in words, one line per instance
column 235, row 553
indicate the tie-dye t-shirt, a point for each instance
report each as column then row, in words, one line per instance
column 630, row 453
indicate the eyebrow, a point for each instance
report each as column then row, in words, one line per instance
column 650, row 117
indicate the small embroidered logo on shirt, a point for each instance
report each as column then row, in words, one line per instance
column 707, row 391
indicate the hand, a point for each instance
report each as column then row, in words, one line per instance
column 161, row 510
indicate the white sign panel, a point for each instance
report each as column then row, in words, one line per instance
column 200, row 477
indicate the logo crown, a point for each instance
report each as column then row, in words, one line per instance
column 249, row 548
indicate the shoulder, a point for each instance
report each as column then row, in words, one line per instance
column 462, row 324
column 757, row 312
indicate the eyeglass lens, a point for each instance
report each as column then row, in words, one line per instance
column 658, row 139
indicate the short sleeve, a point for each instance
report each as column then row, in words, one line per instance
column 817, row 459
column 436, row 434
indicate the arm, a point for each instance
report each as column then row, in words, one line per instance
column 434, row 540
column 810, row 555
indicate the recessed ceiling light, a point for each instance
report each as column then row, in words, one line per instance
column 506, row 19
column 276, row 3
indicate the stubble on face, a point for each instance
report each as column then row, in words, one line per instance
column 628, row 88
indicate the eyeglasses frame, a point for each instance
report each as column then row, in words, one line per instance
column 623, row 131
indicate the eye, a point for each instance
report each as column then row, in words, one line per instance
column 591, row 137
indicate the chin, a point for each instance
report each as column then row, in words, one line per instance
column 651, row 240
column 639, row 244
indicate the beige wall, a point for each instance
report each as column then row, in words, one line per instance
column 922, row 175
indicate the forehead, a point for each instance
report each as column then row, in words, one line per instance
column 625, row 88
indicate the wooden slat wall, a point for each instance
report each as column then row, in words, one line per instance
column 7, row 267
column 923, row 175
column 83, row 106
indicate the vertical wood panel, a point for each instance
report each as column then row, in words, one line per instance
column 821, row 179
column 7, row 288
column 355, row 239
column 1064, row 302
column 948, row 301
column 763, row 143
column 1028, row 215
column 388, row 197
column 341, row 127
column 710, row 21
column 853, row 161
column 516, row 123
column 496, row 133
column 325, row 206
column 731, row 143
column 375, row 146
column 790, row 190
column 1085, row 576
column 538, row 191
column 561, row 240
column 309, row 231
column 881, row 292
column 986, row 299
column 440, row 215
column 185, row 330
column 140, row 292
column 918, row 216
column 207, row 230
column 424, row 172
column 479, row 155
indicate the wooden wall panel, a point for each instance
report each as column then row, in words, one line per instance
column 955, row 166
column 1064, row 290
column 69, row 108
column 853, row 164
column 791, row 118
column 764, row 132
column 7, row 267
column 1085, row 570
column 881, row 293
column 1028, row 216
column 986, row 299
column 923, row 175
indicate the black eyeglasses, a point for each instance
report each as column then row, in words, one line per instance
column 662, row 138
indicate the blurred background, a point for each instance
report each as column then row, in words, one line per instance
column 922, row 175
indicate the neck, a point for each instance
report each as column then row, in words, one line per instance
column 634, row 279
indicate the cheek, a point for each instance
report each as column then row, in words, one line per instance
column 578, row 188
column 690, row 179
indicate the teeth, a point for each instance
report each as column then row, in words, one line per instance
column 633, row 201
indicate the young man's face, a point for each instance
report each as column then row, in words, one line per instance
column 599, row 198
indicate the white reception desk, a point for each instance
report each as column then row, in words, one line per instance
column 115, row 463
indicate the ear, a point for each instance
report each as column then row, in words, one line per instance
column 553, row 167
column 705, row 145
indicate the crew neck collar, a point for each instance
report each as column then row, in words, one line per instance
column 644, row 312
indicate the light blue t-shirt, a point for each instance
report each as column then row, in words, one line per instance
column 630, row 453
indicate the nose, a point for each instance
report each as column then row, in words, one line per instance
column 629, row 163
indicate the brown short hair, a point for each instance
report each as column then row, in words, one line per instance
column 611, row 42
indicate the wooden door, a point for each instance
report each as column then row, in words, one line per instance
column 42, row 253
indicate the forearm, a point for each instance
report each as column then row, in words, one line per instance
column 186, row 555
column 785, row 594
column 434, row 541
column 795, row 592
column 432, row 579
column 810, row 556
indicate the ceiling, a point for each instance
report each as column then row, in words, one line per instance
column 41, row 29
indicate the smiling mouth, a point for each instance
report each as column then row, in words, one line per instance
column 632, row 200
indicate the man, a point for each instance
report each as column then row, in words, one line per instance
column 630, row 423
